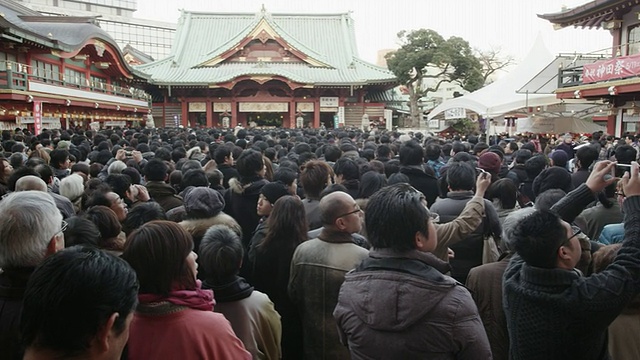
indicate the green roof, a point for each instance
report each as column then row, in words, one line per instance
column 327, row 39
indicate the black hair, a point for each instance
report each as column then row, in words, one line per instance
column 411, row 153
column 348, row 168
column 220, row 255
column 58, row 156
column 156, row 170
column 461, row 176
column 285, row 175
column 521, row 156
column 505, row 191
column 249, row 164
column 536, row 238
column 194, row 177
column 393, row 205
column 370, row 183
column 433, row 151
column 534, row 166
column 81, row 231
column 77, row 289
column 142, row 214
column 587, row 155
column 119, row 184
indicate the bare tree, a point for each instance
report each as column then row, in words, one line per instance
column 492, row 61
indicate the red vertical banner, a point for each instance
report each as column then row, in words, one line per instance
column 37, row 116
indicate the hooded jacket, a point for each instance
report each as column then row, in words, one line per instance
column 400, row 306
column 240, row 203
column 163, row 194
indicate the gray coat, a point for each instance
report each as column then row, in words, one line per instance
column 400, row 306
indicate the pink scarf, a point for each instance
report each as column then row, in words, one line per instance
column 198, row 299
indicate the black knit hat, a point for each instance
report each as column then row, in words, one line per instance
column 552, row 178
column 274, row 191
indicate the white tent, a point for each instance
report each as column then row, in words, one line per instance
column 557, row 125
column 501, row 97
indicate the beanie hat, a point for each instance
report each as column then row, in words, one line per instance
column 203, row 202
column 559, row 158
column 490, row 162
column 63, row 145
column 274, row 191
column 552, row 178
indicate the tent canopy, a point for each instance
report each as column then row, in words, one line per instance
column 558, row 125
column 501, row 97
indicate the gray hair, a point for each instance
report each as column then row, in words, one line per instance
column 31, row 182
column 72, row 187
column 510, row 222
column 30, row 219
column 116, row 167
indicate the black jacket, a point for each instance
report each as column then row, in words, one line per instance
column 560, row 314
column 423, row 182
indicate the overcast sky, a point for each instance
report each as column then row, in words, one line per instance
column 511, row 25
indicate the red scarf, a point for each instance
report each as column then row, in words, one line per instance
column 198, row 299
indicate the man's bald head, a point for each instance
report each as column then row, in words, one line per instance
column 31, row 182
column 333, row 205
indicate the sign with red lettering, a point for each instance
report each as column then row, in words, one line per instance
column 615, row 68
column 37, row 116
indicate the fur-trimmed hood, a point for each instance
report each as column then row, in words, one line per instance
column 252, row 188
column 197, row 227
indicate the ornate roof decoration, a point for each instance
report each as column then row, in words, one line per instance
column 64, row 36
column 592, row 14
column 309, row 49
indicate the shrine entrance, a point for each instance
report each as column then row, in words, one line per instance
column 266, row 119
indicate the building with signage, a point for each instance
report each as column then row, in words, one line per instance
column 263, row 69
column 614, row 79
column 151, row 38
column 62, row 72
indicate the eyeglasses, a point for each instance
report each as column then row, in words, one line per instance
column 576, row 231
column 350, row 212
column 63, row 227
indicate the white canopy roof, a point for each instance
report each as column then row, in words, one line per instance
column 557, row 125
column 501, row 97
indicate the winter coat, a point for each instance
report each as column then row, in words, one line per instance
column 400, row 306
column 163, row 194
column 318, row 267
column 468, row 253
column 457, row 230
column 624, row 333
column 423, row 182
column 252, row 316
column 13, row 283
column 560, row 314
column 594, row 219
column 241, row 202
column 228, row 173
column 269, row 273
column 197, row 227
column 312, row 210
column 485, row 285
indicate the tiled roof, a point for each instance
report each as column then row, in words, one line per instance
column 327, row 39
column 63, row 33
column 591, row 14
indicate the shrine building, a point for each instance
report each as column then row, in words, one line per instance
column 64, row 72
column 263, row 69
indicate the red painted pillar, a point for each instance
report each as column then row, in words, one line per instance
column 234, row 113
column 316, row 113
column 209, row 113
column 292, row 114
column 185, row 113
column 611, row 124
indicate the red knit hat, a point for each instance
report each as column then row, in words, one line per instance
column 490, row 162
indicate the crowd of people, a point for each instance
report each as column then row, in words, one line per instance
column 317, row 244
